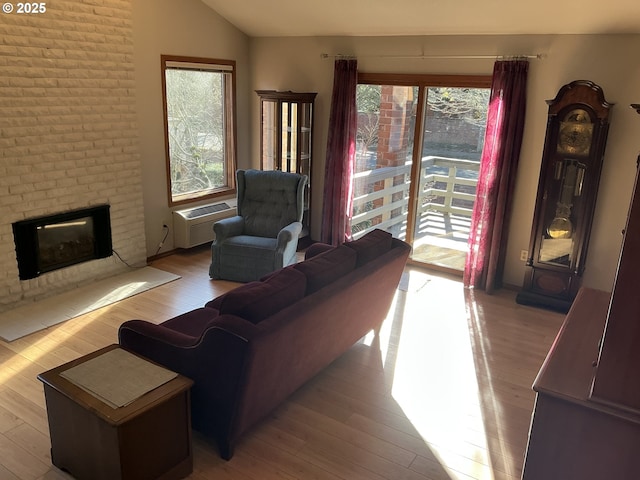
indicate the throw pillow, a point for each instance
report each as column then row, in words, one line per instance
column 316, row 249
column 256, row 301
column 327, row 267
column 371, row 245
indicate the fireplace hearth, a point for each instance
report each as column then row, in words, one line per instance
column 52, row 242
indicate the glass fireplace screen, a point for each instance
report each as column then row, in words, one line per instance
column 56, row 241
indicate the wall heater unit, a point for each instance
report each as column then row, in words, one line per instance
column 194, row 226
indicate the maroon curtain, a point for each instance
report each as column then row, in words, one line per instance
column 341, row 140
column 494, row 195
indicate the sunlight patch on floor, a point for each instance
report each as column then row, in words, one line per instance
column 384, row 335
column 37, row 329
column 86, row 298
column 42, row 343
column 444, row 407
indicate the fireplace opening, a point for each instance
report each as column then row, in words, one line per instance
column 56, row 241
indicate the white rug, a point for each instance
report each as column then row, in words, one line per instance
column 60, row 308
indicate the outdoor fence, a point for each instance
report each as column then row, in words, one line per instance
column 447, row 185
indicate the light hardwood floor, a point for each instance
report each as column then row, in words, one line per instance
column 444, row 393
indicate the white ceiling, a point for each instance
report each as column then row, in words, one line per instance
column 268, row 18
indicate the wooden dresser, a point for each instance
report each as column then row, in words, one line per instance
column 586, row 419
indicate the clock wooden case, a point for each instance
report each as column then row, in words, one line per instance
column 577, row 127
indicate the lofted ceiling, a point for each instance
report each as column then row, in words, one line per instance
column 261, row 18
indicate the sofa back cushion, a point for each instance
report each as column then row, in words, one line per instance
column 256, row 301
column 325, row 268
column 316, row 249
column 371, row 246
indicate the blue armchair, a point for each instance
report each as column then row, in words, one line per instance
column 263, row 237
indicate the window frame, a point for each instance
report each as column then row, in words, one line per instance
column 169, row 62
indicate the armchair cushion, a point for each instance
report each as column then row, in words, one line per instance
column 256, row 301
column 250, row 246
column 270, row 201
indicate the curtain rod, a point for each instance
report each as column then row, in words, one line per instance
column 538, row 56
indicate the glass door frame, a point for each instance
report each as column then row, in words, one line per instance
column 422, row 82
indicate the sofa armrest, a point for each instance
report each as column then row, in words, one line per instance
column 228, row 227
column 153, row 340
column 215, row 361
column 149, row 332
column 216, row 302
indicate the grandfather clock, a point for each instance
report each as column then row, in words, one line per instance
column 577, row 127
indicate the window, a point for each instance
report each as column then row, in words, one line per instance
column 199, row 120
column 418, row 149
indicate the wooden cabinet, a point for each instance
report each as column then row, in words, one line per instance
column 149, row 437
column 616, row 380
column 287, row 137
column 586, row 420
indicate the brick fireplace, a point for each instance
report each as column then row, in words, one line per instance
column 69, row 137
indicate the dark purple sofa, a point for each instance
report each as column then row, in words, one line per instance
column 250, row 348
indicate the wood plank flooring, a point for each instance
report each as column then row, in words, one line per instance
column 444, row 393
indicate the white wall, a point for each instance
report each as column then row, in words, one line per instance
column 608, row 60
column 189, row 28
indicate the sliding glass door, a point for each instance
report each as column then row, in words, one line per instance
column 418, row 153
column 384, row 157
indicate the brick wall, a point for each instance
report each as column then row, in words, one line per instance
column 394, row 131
column 68, row 133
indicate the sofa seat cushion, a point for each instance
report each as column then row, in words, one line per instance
column 371, row 246
column 325, row 268
column 256, row 301
column 192, row 323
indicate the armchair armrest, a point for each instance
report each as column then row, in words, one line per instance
column 287, row 243
column 228, row 227
column 288, row 233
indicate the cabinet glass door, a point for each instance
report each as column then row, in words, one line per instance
column 286, row 142
column 269, row 135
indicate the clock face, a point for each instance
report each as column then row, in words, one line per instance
column 576, row 130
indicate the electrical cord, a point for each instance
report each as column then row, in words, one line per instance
column 123, row 260
column 166, row 234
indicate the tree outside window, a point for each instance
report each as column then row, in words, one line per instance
column 199, row 127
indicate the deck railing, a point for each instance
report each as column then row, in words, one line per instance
column 447, row 185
